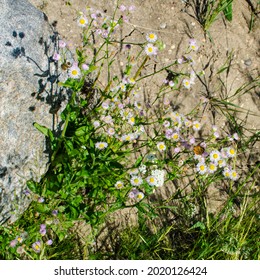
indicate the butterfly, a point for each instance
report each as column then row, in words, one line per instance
column 198, row 150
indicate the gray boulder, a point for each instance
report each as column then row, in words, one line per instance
column 29, row 93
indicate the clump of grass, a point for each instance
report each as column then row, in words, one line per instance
column 207, row 11
column 118, row 150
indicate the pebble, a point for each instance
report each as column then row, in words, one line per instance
column 163, row 25
column 248, row 62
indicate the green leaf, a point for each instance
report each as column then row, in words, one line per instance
column 228, row 12
column 84, row 173
column 33, row 186
column 82, row 131
column 42, row 208
column 138, row 161
column 69, row 145
column 44, row 130
column 116, row 164
column 199, row 225
column 73, row 212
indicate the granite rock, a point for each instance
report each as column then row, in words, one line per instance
column 29, row 93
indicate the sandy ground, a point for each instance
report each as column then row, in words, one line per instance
column 174, row 25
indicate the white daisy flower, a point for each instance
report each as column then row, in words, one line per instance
column 215, row 156
column 150, row 49
column 119, row 185
column 111, row 131
column 202, row 168
column 187, row 123
column 82, row 21
column 139, row 195
column 161, row 146
column 122, row 87
column 131, row 120
column 186, row 83
column 231, row 152
column 193, row 45
column 222, row 163
column 128, row 137
column 151, row 37
column 196, row 126
column 74, row 72
column 227, row 173
column 175, row 137
column 212, row 167
column 151, row 180
column 101, row 145
column 136, row 181
column 233, row 175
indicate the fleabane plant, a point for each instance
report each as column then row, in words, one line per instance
column 115, row 150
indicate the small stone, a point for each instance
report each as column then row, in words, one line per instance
column 248, row 62
column 163, row 25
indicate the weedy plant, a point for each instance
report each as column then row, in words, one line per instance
column 207, row 11
column 118, row 150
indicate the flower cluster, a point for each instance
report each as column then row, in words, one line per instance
column 146, row 180
column 150, row 49
column 218, row 160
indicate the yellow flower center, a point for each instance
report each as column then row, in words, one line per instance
column 151, row 36
column 82, row 21
column 74, row 72
column 202, row 167
column 150, row 49
column 151, row 180
column 215, row 156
